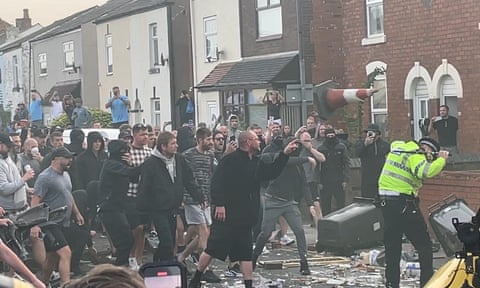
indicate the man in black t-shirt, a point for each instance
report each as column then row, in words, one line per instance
column 446, row 127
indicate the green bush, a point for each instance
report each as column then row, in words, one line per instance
column 98, row 115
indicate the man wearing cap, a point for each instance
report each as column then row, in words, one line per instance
column 407, row 164
column 126, row 137
column 13, row 193
column 54, row 188
column 372, row 151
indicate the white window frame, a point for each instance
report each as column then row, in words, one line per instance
column 211, row 39
column 16, row 72
column 369, row 5
column 156, row 113
column 373, row 38
column 69, row 55
column 42, row 61
column 269, row 6
column 109, row 54
column 383, row 110
column 154, row 45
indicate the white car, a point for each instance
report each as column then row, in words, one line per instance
column 107, row 133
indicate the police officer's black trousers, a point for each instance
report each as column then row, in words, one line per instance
column 403, row 216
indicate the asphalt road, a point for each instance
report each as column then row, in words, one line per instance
column 281, row 267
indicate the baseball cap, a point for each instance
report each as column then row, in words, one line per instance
column 5, row 139
column 124, row 135
column 373, row 127
column 62, row 152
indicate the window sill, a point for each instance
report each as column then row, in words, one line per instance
column 67, row 69
column 373, row 40
column 210, row 60
column 269, row 38
column 109, row 73
column 154, row 70
column 43, row 75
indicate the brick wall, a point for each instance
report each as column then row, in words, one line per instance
column 416, row 32
column 326, row 33
column 463, row 184
column 288, row 41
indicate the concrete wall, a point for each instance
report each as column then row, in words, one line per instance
column 121, row 42
column 56, row 71
column 143, row 81
column 228, row 38
column 89, row 69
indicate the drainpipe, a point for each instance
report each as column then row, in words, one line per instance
column 301, row 60
column 194, row 62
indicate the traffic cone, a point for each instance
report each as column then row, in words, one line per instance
column 327, row 99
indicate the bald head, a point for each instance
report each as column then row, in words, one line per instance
column 29, row 144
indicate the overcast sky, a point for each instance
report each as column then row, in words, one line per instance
column 43, row 11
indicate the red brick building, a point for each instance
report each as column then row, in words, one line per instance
column 429, row 50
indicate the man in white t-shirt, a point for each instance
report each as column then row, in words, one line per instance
column 57, row 105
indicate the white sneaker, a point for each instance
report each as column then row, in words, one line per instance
column 132, row 263
column 265, row 251
column 285, row 240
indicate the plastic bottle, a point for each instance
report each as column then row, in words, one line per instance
column 413, row 269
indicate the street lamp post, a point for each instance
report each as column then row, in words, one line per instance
column 301, row 60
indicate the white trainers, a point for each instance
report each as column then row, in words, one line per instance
column 132, row 263
column 265, row 251
column 285, row 240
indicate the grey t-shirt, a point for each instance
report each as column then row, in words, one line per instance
column 55, row 190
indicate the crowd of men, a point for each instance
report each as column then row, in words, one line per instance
column 225, row 187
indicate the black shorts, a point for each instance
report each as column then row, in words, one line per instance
column 232, row 241
column 136, row 218
column 54, row 238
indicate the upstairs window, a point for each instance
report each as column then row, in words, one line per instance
column 154, row 57
column 69, row 55
column 210, row 32
column 269, row 18
column 109, row 54
column 16, row 72
column 42, row 60
column 374, row 17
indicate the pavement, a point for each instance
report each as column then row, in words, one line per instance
column 281, row 266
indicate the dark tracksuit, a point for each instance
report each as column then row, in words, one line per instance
column 160, row 197
column 282, row 196
column 236, row 186
column 114, row 180
column 373, row 158
column 334, row 171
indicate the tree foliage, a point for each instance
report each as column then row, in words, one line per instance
column 98, row 115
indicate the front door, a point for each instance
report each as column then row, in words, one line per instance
column 420, row 106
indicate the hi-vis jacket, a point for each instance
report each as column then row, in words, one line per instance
column 403, row 173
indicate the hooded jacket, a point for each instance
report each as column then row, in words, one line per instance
column 87, row 165
column 291, row 185
column 162, row 190
column 115, row 177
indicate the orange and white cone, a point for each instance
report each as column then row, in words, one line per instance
column 337, row 98
column 327, row 98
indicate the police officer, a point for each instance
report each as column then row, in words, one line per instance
column 406, row 166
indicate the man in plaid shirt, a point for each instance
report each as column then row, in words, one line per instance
column 139, row 151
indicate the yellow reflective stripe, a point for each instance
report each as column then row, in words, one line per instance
column 401, row 178
column 419, row 165
column 426, row 169
column 397, row 165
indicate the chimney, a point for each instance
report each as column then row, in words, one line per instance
column 23, row 23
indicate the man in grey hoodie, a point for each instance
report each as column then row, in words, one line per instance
column 233, row 131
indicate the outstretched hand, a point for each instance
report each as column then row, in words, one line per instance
column 292, row 146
